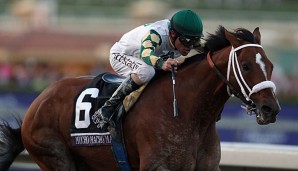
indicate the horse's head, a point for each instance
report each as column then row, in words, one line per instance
column 250, row 71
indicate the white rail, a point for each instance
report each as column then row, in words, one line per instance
column 238, row 155
column 259, row 155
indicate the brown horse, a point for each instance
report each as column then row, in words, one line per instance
column 155, row 140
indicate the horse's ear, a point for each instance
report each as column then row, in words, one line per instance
column 232, row 39
column 257, row 35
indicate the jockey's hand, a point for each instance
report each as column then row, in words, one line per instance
column 167, row 65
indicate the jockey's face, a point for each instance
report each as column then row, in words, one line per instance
column 183, row 49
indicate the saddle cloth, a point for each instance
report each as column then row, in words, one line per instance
column 87, row 129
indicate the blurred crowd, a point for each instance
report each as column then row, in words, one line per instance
column 26, row 76
column 32, row 76
column 286, row 84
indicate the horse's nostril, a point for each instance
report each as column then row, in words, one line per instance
column 266, row 109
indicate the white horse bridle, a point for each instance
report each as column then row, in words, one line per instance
column 233, row 62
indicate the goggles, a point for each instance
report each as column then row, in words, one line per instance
column 189, row 41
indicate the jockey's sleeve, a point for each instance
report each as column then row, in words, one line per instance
column 150, row 42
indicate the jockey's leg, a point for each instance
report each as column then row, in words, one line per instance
column 126, row 87
column 137, row 73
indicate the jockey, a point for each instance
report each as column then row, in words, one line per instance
column 150, row 47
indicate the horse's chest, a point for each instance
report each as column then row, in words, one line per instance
column 178, row 160
column 173, row 156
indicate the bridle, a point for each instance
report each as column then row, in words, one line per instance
column 231, row 90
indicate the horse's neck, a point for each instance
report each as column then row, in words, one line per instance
column 203, row 87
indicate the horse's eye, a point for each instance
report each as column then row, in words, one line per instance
column 245, row 67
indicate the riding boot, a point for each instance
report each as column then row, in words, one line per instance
column 107, row 110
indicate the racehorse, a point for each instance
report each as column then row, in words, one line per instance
column 154, row 138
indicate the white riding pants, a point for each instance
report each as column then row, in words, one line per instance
column 125, row 65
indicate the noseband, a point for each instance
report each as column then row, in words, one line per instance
column 233, row 63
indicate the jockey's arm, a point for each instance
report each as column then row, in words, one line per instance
column 150, row 43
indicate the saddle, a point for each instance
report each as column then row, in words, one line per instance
column 112, row 82
column 87, row 127
column 112, row 78
column 122, row 108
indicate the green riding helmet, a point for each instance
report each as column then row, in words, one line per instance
column 187, row 23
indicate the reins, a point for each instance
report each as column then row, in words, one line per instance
column 231, row 90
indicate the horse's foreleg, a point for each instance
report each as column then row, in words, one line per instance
column 210, row 153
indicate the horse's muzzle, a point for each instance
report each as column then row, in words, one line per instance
column 267, row 112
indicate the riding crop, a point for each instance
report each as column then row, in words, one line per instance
column 174, row 89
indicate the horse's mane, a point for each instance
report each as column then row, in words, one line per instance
column 218, row 41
